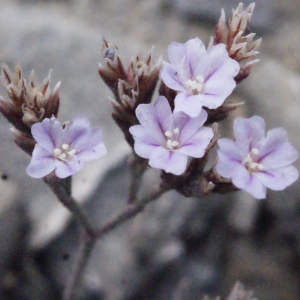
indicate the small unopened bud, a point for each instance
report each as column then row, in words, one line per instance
column 24, row 140
column 239, row 43
column 220, row 113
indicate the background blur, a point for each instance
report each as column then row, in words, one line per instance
column 178, row 248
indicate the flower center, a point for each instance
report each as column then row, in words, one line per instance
column 250, row 162
column 195, row 86
column 172, row 143
column 64, row 153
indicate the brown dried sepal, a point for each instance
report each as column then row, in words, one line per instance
column 130, row 87
column 35, row 102
column 240, row 44
column 220, row 113
column 24, row 140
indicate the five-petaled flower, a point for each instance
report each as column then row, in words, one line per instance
column 256, row 162
column 202, row 78
column 64, row 149
column 166, row 138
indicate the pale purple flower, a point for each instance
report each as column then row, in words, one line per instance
column 167, row 139
column 202, row 78
column 256, row 162
column 64, row 149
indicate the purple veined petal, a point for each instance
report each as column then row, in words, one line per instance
column 248, row 131
column 74, row 130
column 231, row 150
column 145, row 135
column 278, row 179
column 170, row 77
column 155, row 116
column 227, row 168
column 192, row 51
column 67, row 168
column 195, row 50
column 89, row 144
column 176, row 51
column 47, row 133
column 244, row 180
column 42, row 163
column 217, row 60
column 275, row 151
column 95, row 152
column 189, row 126
column 191, row 105
column 196, row 145
column 145, row 140
column 171, row 162
column 216, row 90
column 230, row 159
column 163, row 113
column 255, row 187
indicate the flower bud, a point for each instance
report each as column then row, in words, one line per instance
column 240, row 45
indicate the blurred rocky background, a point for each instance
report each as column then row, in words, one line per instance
column 177, row 248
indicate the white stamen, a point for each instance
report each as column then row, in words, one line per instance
column 176, row 130
column 175, row 143
column 168, row 133
column 65, row 146
column 255, row 151
column 57, row 151
column 196, row 85
column 72, row 152
column 62, row 156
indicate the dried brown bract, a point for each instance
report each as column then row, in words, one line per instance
column 240, row 44
column 30, row 104
column 130, row 87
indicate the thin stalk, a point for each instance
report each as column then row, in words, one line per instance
column 84, row 253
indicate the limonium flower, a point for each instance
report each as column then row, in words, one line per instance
column 64, row 149
column 256, row 162
column 202, row 78
column 167, row 139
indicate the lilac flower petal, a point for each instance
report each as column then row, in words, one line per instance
column 276, row 151
column 214, row 93
column 145, row 140
column 216, row 60
column 42, row 163
column 156, row 116
column 64, row 149
column 255, row 162
column 226, row 168
column 254, row 187
column 278, row 179
column 170, row 77
column 230, row 149
column 196, row 145
column 89, row 145
column 171, row 162
column 249, row 131
column 68, row 168
column 242, row 179
column 191, row 105
column 189, row 126
column 75, row 129
column 47, row 133
column 192, row 52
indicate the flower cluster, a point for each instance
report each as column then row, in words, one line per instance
column 202, row 78
column 254, row 161
column 170, row 131
column 64, row 149
column 167, row 138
